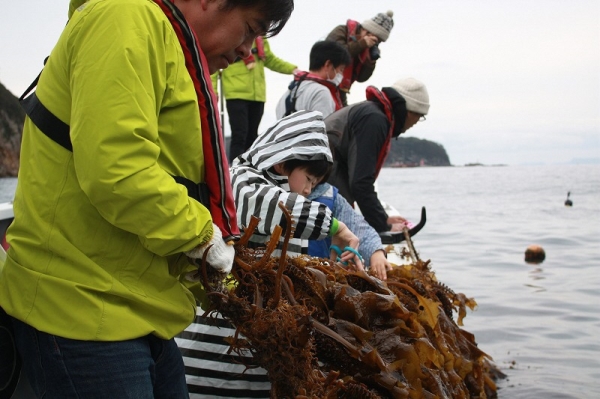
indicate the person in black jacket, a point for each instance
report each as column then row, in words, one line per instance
column 360, row 137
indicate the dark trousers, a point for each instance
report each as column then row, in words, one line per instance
column 244, row 118
column 146, row 368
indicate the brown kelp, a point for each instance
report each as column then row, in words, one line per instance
column 322, row 331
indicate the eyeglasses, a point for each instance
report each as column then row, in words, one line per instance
column 422, row 118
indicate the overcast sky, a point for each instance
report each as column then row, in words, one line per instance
column 510, row 81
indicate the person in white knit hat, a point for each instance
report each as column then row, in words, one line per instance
column 362, row 41
column 360, row 138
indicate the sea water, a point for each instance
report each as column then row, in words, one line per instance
column 540, row 323
column 8, row 186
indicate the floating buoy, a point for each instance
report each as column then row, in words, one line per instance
column 535, row 254
column 568, row 202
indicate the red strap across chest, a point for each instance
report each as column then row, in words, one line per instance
column 222, row 205
column 374, row 94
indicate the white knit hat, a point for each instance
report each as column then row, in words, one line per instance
column 415, row 94
column 380, row 25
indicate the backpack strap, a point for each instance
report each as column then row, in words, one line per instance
column 46, row 121
column 290, row 101
column 59, row 132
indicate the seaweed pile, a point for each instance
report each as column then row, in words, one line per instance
column 322, row 331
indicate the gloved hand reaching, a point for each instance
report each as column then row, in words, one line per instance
column 220, row 254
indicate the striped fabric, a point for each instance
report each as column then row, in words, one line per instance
column 210, row 371
column 258, row 189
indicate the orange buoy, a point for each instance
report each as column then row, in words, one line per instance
column 535, row 254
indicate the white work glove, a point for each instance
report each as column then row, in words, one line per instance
column 220, row 255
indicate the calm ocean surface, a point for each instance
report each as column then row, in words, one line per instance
column 540, row 323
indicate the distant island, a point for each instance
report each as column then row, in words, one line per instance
column 409, row 152
column 480, row 164
column 405, row 151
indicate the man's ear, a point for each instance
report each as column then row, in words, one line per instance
column 190, row 6
column 204, row 4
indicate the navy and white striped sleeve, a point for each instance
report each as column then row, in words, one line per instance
column 257, row 196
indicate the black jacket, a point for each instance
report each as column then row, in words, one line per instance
column 357, row 135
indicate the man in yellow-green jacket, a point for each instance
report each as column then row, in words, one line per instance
column 245, row 92
column 107, row 215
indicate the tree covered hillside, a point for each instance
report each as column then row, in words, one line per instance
column 11, row 127
column 411, row 151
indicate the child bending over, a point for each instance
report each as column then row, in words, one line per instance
column 284, row 165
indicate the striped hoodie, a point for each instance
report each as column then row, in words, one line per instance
column 258, row 189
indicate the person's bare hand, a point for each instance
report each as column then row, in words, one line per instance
column 397, row 222
column 380, row 265
column 345, row 238
column 370, row 40
column 396, row 219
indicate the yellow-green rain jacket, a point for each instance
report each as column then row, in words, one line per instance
column 97, row 240
column 241, row 83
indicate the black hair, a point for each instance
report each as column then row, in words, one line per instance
column 325, row 50
column 276, row 12
column 320, row 168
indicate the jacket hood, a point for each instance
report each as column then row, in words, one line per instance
column 299, row 136
column 73, row 5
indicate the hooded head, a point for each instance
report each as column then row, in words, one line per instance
column 299, row 136
column 73, row 5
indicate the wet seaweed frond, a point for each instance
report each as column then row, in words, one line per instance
column 322, row 331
